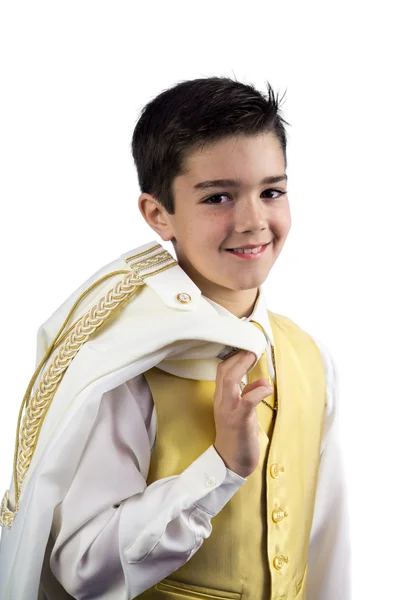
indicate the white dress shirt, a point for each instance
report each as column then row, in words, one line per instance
column 111, row 546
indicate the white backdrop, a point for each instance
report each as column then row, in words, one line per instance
column 74, row 76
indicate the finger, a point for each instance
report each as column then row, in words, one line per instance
column 229, row 375
column 237, row 365
column 252, row 399
column 255, row 384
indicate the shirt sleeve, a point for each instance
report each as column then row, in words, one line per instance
column 329, row 556
column 114, row 536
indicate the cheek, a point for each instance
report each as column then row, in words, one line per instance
column 281, row 221
column 287, row 223
column 209, row 233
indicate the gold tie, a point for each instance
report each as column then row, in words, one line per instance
column 260, row 369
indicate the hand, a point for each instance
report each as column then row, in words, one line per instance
column 235, row 416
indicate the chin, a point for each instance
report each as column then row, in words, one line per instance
column 241, row 285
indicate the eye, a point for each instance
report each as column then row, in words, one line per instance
column 208, row 200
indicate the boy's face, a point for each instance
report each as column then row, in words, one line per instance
column 203, row 230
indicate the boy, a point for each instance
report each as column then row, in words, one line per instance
column 186, row 484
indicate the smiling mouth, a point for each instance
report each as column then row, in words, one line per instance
column 248, row 253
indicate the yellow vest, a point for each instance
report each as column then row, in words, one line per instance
column 258, row 547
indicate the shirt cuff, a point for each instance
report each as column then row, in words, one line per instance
column 221, row 493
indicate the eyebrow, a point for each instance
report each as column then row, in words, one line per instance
column 235, row 183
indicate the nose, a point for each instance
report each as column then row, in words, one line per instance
column 250, row 214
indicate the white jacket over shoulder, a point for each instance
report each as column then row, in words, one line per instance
column 138, row 311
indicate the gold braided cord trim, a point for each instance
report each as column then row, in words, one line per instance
column 156, row 260
column 6, row 515
column 39, row 403
column 56, row 342
column 143, row 276
column 48, row 384
column 147, row 266
column 128, row 258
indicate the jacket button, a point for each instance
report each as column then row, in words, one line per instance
column 184, row 298
column 280, row 561
column 278, row 514
column 276, row 470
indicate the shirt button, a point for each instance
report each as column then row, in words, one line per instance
column 280, row 561
column 210, row 481
column 278, row 514
column 276, row 470
column 184, row 298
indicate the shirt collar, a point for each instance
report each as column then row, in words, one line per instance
column 259, row 314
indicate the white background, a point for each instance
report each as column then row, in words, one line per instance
column 74, row 76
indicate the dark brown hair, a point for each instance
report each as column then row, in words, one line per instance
column 189, row 115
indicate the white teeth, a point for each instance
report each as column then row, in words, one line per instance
column 247, row 250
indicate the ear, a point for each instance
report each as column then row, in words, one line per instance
column 156, row 216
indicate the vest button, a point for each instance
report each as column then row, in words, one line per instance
column 276, row 470
column 278, row 514
column 280, row 561
column 184, row 298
